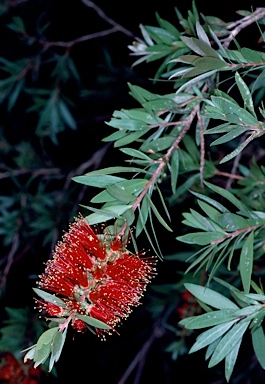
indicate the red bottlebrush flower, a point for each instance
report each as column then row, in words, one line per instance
column 94, row 276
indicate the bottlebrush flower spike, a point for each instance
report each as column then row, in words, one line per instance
column 94, row 276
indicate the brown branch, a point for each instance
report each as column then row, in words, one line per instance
column 229, row 175
column 103, row 16
column 235, row 234
column 163, row 162
column 243, row 23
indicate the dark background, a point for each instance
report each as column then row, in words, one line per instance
column 105, row 67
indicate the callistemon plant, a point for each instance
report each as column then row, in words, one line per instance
column 91, row 280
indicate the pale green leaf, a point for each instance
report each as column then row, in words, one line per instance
column 95, row 181
column 228, row 342
column 174, row 169
column 230, row 136
column 159, row 144
column 210, row 297
column 46, row 338
column 230, row 360
column 211, row 318
column 157, row 214
column 93, row 322
column 120, row 194
column 245, row 93
column 258, row 341
column 227, row 195
column 199, row 47
column 201, row 238
column 49, row 297
column 246, row 262
column 211, row 335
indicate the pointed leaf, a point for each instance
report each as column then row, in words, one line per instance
column 49, row 297
column 245, row 93
column 211, row 335
column 93, row 322
column 258, row 341
column 228, row 342
column 210, row 297
column 211, row 318
column 230, row 360
column 246, row 262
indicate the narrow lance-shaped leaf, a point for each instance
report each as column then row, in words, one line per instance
column 174, row 170
column 159, row 217
column 230, row 360
column 228, row 342
column 212, row 318
column 246, row 262
column 245, row 93
column 210, row 297
column 212, row 334
column 226, row 194
column 258, row 341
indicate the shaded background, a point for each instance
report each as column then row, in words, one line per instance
column 38, row 198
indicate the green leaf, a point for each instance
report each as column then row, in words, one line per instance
column 210, row 211
column 100, row 182
column 174, row 170
column 46, row 338
column 49, row 298
column 194, row 80
column 234, row 153
column 246, row 262
column 252, row 56
column 230, row 360
column 159, row 217
column 41, row 355
column 135, row 153
column 130, row 138
column 211, row 335
column 201, row 238
column 210, row 297
column 127, row 124
column 230, row 136
column 258, row 341
column 228, row 342
column 202, row 34
column 93, row 322
column 245, row 93
column 120, row 194
column 231, row 222
column 66, row 115
column 211, row 318
column 227, row 195
column 104, row 214
column 159, row 144
column 56, row 348
column 134, row 187
column 199, row 47
column 210, row 201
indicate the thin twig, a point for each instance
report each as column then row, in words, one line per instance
column 163, row 162
column 10, row 259
column 243, row 23
column 141, row 355
column 103, row 16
